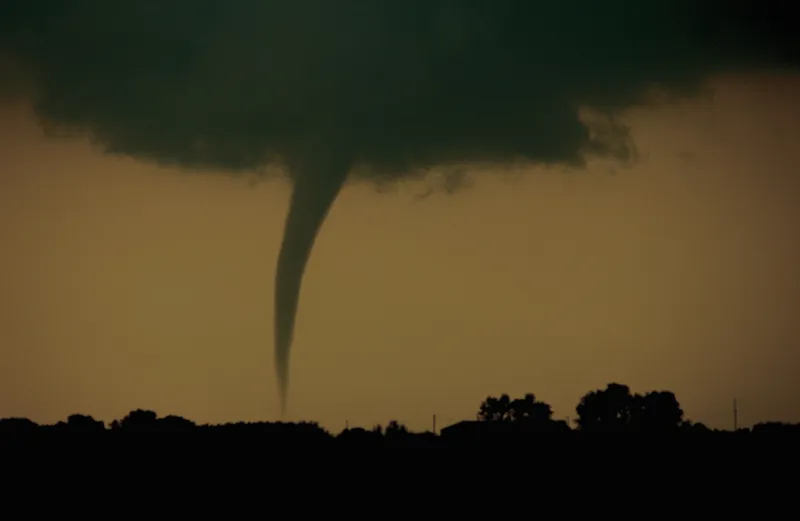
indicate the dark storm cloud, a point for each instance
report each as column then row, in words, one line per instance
column 389, row 86
column 399, row 84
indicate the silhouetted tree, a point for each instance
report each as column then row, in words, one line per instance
column 175, row 423
column 395, row 429
column 690, row 426
column 656, row 411
column 8, row 425
column 607, row 410
column 139, row 420
column 358, row 437
column 776, row 427
column 495, row 409
column 524, row 414
column 84, row 423
column 529, row 409
column 615, row 409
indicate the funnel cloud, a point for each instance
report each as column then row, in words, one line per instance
column 319, row 174
column 369, row 90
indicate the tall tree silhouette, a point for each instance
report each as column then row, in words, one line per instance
column 395, row 429
column 528, row 409
column 84, row 423
column 657, row 411
column 139, row 420
column 175, row 423
column 17, row 425
column 606, row 410
column 495, row 409
column 615, row 409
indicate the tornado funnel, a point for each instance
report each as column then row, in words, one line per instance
column 313, row 194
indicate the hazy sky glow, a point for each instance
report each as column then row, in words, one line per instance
column 123, row 285
column 630, row 180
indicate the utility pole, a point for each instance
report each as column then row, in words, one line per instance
column 735, row 416
column 434, row 424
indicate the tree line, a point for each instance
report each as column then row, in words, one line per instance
column 613, row 409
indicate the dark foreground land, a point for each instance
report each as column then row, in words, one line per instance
column 499, row 420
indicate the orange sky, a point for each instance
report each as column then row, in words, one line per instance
column 125, row 286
